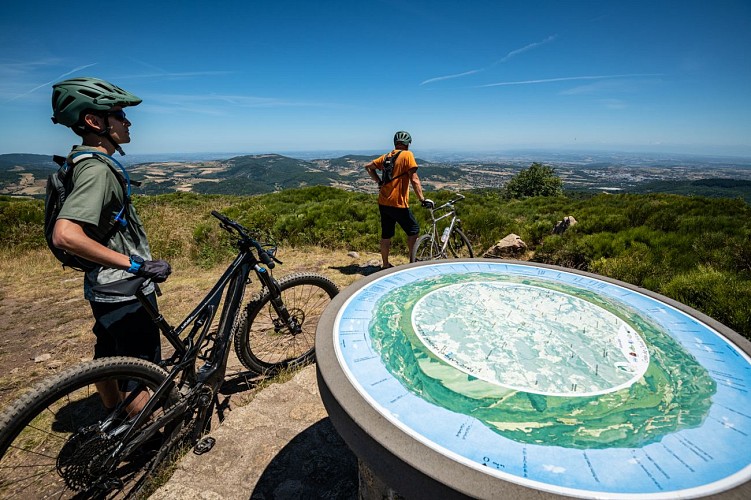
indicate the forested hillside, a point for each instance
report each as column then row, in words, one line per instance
column 693, row 249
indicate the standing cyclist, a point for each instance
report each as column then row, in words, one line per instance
column 399, row 170
column 98, row 223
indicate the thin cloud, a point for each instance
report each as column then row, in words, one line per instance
column 47, row 84
column 216, row 104
column 449, row 77
column 17, row 70
column 184, row 74
column 613, row 103
column 526, row 48
column 159, row 72
column 505, row 58
column 563, row 79
column 622, row 86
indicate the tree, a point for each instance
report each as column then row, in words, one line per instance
column 537, row 180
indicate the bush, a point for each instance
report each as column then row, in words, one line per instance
column 695, row 250
column 21, row 224
column 720, row 295
column 537, row 180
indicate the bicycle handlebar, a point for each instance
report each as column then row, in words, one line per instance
column 449, row 204
column 230, row 225
column 128, row 287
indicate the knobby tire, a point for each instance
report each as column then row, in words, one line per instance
column 264, row 344
column 459, row 246
column 426, row 248
column 55, row 440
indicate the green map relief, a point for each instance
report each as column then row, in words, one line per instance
column 674, row 393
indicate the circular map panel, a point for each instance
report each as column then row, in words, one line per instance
column 593, row 351
column 551, row 379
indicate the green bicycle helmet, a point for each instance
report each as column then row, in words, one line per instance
column 71, row 97
column 402, row 137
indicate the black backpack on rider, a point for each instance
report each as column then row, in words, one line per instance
column 388, row 168
column 59, row 185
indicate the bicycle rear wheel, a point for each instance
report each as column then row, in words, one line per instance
column 59, row 441
column 459, row 245
column 426, row 248
column 264, row 343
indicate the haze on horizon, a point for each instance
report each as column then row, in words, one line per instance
column 634, row 76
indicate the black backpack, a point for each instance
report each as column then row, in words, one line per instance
column 59, row 185
column 388, row 168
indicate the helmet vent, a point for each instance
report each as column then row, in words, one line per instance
column 88, row 93
column 66, row 102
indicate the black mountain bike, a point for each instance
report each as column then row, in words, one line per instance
column 59, row 441
column 453, row 243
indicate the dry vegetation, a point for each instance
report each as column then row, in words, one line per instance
column 47, row 324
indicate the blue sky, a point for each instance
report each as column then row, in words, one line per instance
column 282, row 76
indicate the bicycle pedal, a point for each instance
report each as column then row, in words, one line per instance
column 204, row 445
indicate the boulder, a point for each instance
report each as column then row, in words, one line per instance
column 511, row 245
column 564, row 224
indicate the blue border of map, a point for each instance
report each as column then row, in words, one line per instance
column 711, row 458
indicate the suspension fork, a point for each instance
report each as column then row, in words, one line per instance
column 275, row 298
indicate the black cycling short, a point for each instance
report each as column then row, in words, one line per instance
column 126, row 329
column 391, row 216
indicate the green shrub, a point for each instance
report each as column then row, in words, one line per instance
column 21, row 224
column 633, row 265
column 720, row 295
column 693, row 249
column 537, row 180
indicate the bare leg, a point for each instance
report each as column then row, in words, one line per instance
column 109, row 393
column 385, row 248
column 111, row 396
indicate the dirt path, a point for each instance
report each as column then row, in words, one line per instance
column 46, row 324
column 273, row 443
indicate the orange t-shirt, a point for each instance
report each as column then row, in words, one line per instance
column 396, row 192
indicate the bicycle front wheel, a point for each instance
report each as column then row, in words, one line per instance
column 459, row 245
column 426, row 248
column 59, row 441
column 265, row 343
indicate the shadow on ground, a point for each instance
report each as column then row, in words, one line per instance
column 357, row 269
column 315, row 464
column 240, row 382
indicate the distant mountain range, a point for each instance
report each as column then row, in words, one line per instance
column 26, row 174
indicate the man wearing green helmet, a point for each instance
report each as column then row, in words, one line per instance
column 399, row 171
column 98, row 223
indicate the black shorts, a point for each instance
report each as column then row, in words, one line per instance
column 391, row 216
column 126, row 329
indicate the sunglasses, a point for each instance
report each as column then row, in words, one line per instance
column 119, row 115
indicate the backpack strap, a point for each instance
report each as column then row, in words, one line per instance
column 60, row 160
column 123, row 180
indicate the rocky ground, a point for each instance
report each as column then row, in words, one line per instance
column 276, row 442
column 280, row 446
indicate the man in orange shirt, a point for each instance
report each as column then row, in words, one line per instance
column 399, row 170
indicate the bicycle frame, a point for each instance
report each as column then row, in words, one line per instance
column 107, row 427
column 451, row 212
column 199, row 344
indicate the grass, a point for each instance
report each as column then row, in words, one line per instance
column 44, row 311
